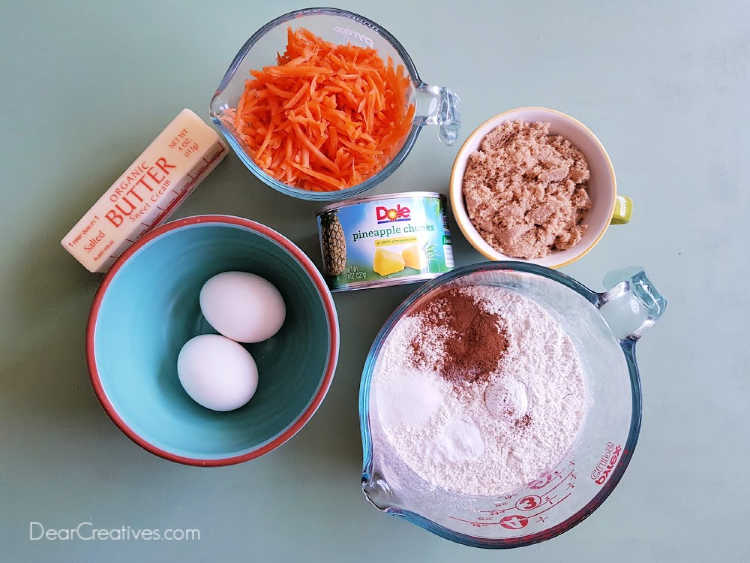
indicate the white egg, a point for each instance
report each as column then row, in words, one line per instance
column 216, row 372
column 242, row 306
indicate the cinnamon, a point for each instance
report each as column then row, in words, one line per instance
column 523, row 422
column 475, row 341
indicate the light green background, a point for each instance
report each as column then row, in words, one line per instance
column 665, row 85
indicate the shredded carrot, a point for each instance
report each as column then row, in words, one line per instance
column 325, row 117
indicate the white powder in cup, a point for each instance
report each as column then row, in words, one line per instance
column 488, row 437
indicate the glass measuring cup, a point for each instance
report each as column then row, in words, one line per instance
column 604, row 328
column 435, row 105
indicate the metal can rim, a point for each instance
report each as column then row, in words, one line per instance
column 355, row 201
column 375, row 284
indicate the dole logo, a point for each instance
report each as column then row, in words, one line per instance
column 383, row 214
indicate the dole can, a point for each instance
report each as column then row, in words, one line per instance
column 384, row 240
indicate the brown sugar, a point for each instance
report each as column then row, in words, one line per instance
column 475, row 342
column 525, row 190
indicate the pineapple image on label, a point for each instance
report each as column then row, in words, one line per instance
column 387, row 262
column 414, row 257
column 333, row 244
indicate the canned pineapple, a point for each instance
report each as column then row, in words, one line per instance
column 384, row 240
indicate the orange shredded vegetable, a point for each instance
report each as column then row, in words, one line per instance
column 327, row 116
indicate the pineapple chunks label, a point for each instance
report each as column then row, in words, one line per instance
column 391, row 231
column 413, row 257
column 394, row 241
column 370, row 241
column 387, row 262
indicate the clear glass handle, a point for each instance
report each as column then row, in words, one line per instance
column 436, row 105
column 631, row 305
column 378, row 492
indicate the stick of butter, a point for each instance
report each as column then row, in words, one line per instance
column 147, row 193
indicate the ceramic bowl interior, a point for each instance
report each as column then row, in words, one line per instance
column 147, row 308
column 602, row 185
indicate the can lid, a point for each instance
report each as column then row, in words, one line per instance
column 382, row 197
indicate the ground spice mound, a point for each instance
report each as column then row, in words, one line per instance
column 523, row 422
column 473, row 344
column 525, row 190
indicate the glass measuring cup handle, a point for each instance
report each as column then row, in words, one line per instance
column 437, row 105
column 377, row 491
column 631, row 305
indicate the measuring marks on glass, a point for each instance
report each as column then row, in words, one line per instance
column 351, row 34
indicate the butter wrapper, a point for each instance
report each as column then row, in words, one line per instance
column 147, row 193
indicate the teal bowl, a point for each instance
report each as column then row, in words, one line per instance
column 147, row 308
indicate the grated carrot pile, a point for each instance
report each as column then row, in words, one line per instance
column 327, row 116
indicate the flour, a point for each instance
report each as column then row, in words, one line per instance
column 488, row 437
